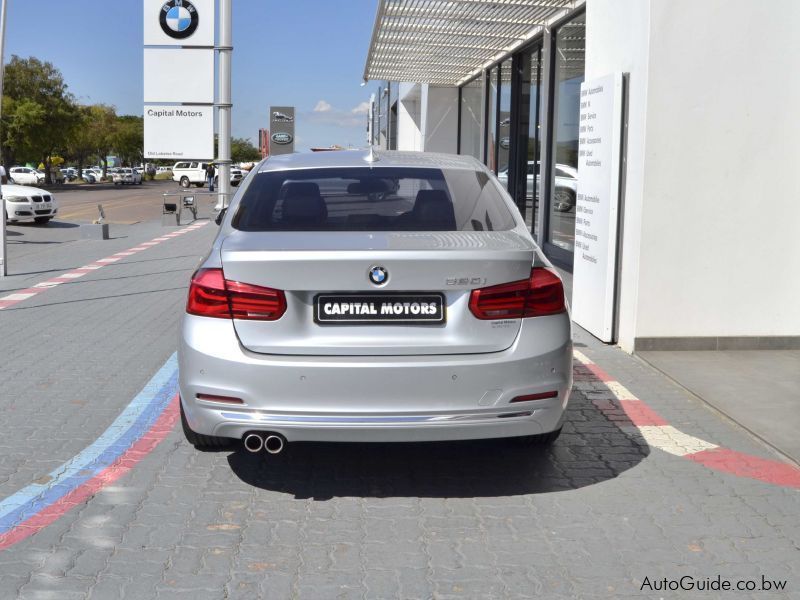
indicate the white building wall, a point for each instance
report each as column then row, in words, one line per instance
column 617, row 40
column 409, row 117
column 711, row 196
column 441, row 121
column 720, row 251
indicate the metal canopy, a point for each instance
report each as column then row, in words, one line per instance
column 447, row 41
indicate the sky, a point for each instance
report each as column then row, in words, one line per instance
column 304, row 53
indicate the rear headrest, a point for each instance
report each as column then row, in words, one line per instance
column 433, row 210
column 303, row 204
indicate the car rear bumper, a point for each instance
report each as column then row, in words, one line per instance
column 374, row 399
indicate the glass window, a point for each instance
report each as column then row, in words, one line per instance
column 491, row 121
column 569, row 55
column 472, row 118
column 504, row 120
column 528, row 186
column 373, row 199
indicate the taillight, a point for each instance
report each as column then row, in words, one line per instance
column 207, row 295
column 541, row 294
column 211, row 295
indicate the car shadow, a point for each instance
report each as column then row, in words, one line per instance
column 591, row 449
column 49, row 225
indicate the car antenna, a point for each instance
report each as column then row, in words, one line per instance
column 371, row 157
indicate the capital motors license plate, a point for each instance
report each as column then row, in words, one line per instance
column 378, row 308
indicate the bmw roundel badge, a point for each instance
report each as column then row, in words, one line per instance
column 378, row 275
column 178, row 19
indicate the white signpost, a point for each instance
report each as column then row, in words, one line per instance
column 597, row 207
column 185, row 76
column 178, row 132
column 179, row 79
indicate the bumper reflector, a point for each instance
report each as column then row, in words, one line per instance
column 539, row 396
column 223, row 399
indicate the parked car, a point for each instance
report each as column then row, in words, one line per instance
column 94, row 172
column 129, row 176
column 236, row 176
column 389, row 297
column 187, row 173
column 566, row 189
column 89, row 176
column 25, row 203
column 25, row 176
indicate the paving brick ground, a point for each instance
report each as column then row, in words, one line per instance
column 591, row 517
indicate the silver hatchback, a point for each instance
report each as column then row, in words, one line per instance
column 373, row 297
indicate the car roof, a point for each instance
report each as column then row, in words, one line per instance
column 360, row 158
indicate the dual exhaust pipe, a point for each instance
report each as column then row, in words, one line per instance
column 271, row 442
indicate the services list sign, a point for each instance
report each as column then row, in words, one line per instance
column 178, row 132
column 597, row 207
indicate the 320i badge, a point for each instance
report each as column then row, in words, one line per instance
column 373, row 297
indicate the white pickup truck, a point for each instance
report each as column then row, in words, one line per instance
column 194, row 172
column 190, row 172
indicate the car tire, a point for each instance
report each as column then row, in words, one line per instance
column 185, row 183
column 541, row 440
column 198, row 440
column 42, row 220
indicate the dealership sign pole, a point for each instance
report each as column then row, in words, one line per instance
column 224, row 104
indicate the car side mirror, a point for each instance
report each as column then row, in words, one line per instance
column 220, row 216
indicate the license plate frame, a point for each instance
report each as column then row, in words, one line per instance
column 376, row 301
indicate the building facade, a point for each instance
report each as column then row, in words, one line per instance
column 705, row 253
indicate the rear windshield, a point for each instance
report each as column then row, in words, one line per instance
column 372, row 199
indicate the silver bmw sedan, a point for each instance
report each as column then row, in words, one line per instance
column 373, row 297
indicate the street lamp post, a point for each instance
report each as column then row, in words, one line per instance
column 3, row 256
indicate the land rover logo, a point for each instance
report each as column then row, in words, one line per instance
column 282, row 138
column 178, row 19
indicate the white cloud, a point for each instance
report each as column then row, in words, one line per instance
column 361, row 109
column 322, row 106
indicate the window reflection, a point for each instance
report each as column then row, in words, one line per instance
column 471, row 118
column 504, row 120
column 569, row 74
column 491, row 144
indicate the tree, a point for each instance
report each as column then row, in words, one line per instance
column 243, row 151
column 102, row 127
column 128, row 139
column 80, row 144
column 39, row 114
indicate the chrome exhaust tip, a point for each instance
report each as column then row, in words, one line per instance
column 253, row 442
column 274, row 444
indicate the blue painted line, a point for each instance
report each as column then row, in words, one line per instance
column 127, row 428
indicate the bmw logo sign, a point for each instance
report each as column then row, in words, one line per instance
column 178, row 19
column 378, row 275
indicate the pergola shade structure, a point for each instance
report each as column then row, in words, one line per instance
column 446, row 42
